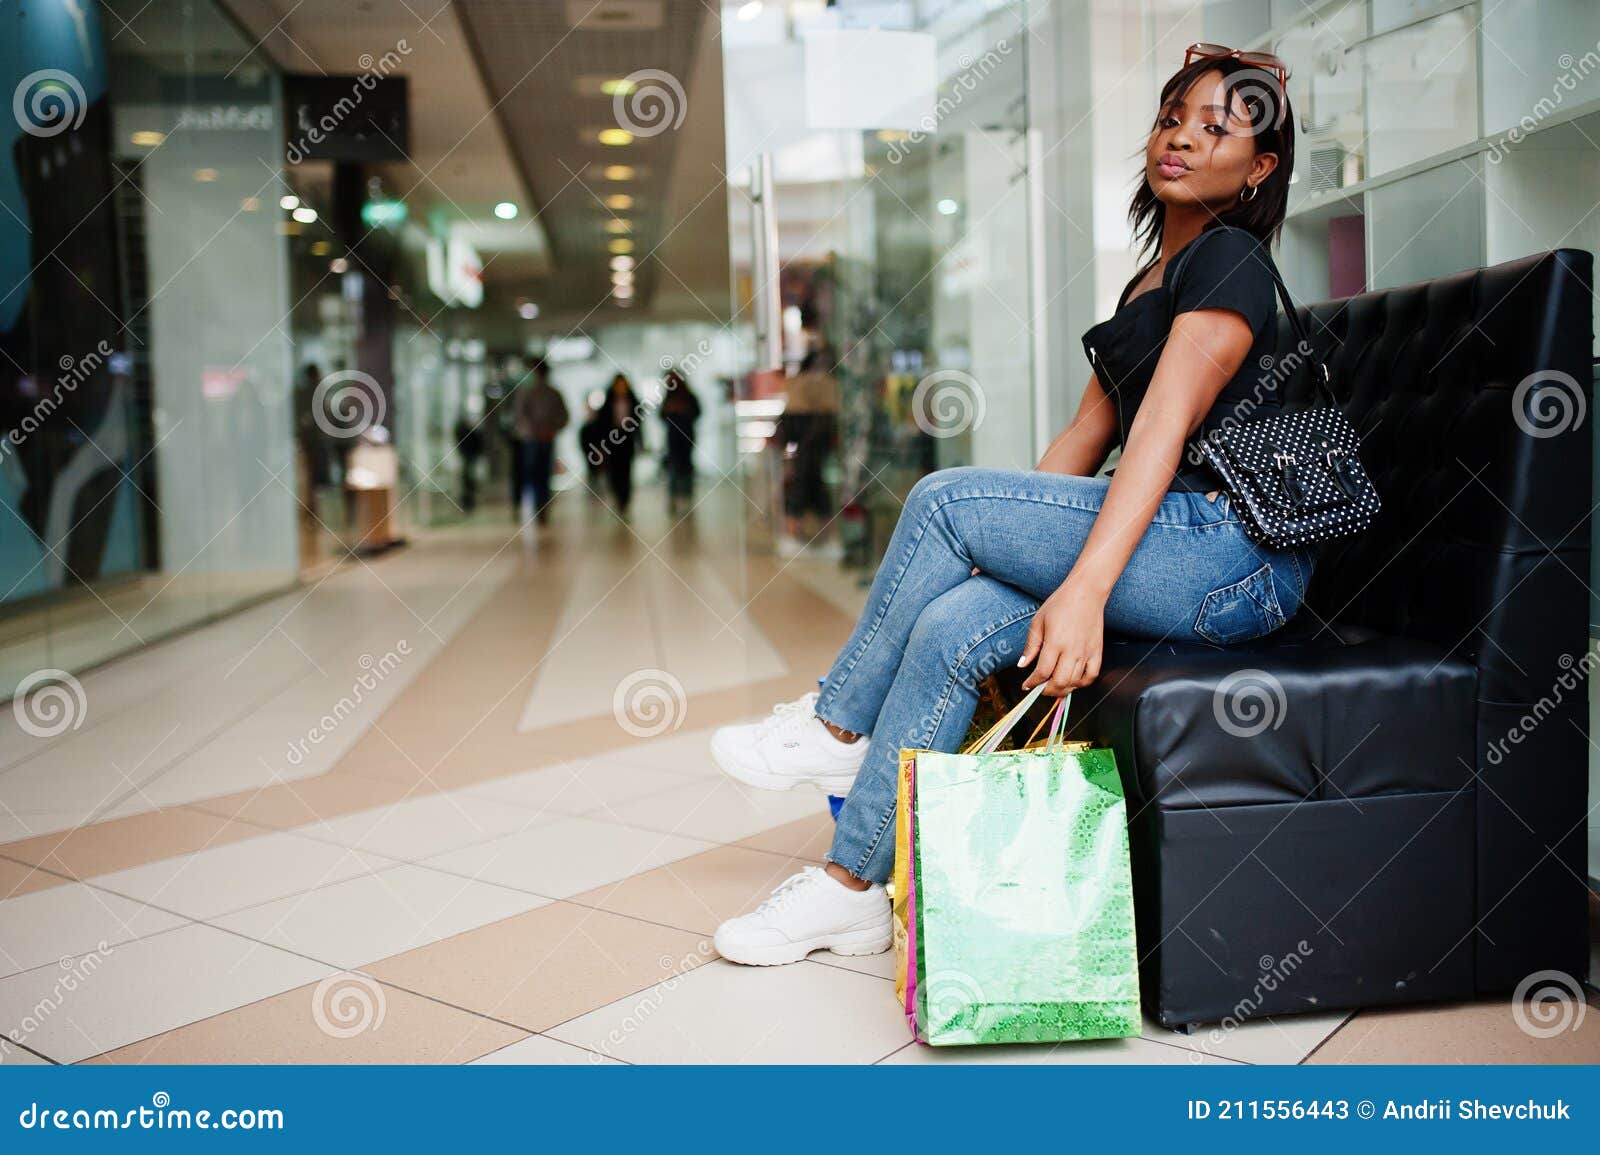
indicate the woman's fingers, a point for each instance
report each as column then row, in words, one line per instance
column 1030, row 648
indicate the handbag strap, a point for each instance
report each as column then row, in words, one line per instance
column 1324, row 381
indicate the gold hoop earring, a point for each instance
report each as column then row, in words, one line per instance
column 1251, row 190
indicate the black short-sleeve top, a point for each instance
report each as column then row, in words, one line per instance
column 1223, row 268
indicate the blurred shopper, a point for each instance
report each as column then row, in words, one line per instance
column 469, row 444
column 592, row 439
column 622, row 438
column 541, row 414
column 809, row 429
column 680, row 409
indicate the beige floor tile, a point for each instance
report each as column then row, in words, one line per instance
column 345, row 1019
column 1485, row 1032
column 878, row 965
column 719, row 810
column 1287, row 1039
column 48, row 925
column 808, row 838
column 423, row 827
column 542, row 1051
column 17, row 879
column 699, row 892
column 315, row 799
column 256, row 870
column 546, row 966
column 578, row 787
column 567, row 856
column 679, row 752
column 1093, row 1053
column 125, row 842
column 361, row 920
column 722, row 1013
column 143, row 988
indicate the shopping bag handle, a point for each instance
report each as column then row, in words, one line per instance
column 997, row 733
column 1058, row 726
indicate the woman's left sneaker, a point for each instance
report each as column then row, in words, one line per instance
column 809, row 911
column 790, row 747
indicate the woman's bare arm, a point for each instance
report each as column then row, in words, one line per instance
column 1083, row 446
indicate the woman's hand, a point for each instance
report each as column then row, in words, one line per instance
column 1067, row 637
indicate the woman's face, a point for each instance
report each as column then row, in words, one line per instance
column 1202, row 150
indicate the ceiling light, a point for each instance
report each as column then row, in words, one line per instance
column 618, row 172
column 621, row 263
column 948, row 207
column 339, row 266
column 321, row 248
column 288, row 202
column 750, row 11
column 622, row 292
column 614, row 136
column 622, row 278
column 619, row 201
column 527, row 310
column 148, row 139
column 619, row 225
column 305, row 214
column 205, row 175
column 249, row 205
column 506, row 211
column 622, row 87
column 620, row 245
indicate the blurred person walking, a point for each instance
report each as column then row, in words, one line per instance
column 809, row 429
column 680, row 409
column 622, row 437
column 592, row 439
column 541, row 414
column 470, row 445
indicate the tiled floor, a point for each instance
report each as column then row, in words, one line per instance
column 455, row 806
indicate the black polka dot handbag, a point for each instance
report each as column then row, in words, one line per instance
column 1295, row 479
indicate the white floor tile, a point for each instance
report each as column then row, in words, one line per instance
column 425, row 825
column 878, row 965
column 720, row 810
column 568, row 856
column 48, row 925
column 361, row 920
column 223, row 878
column 685, row 752
column 16, row 1057
column 722, row 1013
column 1288, row 1039
column 542, row 1051
column 145, row 987
column 579, row 787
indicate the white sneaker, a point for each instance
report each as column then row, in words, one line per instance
column 809, row 911
column 789, row 748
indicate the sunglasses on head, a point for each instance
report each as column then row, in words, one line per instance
column 1263, row 60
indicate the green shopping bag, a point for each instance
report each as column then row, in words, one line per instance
column 1024, row 907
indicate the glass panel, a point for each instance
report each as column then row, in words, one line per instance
column 1421, row 90
column 1541, row 59
column 1427, row 225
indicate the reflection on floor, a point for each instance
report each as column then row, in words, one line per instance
column 455, row 805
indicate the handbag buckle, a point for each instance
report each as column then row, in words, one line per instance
column 1281, row 459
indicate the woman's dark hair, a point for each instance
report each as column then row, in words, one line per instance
column 1271, row 121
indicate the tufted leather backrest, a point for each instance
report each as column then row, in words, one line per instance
column 1472, row 396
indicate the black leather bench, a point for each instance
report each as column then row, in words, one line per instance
column 1385, row 800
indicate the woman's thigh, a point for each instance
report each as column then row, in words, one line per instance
column 1195, row 574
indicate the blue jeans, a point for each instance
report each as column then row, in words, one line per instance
column 932, row 632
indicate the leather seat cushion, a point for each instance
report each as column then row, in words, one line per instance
column 1347, row 714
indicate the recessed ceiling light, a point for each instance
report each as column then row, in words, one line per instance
column 305, row 214
column 621, row 263
column 750, row 11
column 621, row 245
column 527, row 310
column 506, row 211
column 321, row 248
column 619, row 225
column 618, row 172
column 249, row 205
column 619, row 201
column 622, row 292
column 622, row 277
column 948, row 207
column 614, row 136
column 205, row 175
column 288, row 202
column 620, row 87
column 148, row 139
column 339, row 266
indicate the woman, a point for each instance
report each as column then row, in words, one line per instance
column 989, row 564
column 621, row 412
column 680, row 409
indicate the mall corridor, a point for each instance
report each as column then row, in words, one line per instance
column 455, row 805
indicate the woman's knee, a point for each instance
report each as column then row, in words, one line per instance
column 967, row 629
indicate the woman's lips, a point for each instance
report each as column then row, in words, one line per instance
column 1171, row 167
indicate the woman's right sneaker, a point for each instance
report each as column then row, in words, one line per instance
column 790, row 747
column 809, row 911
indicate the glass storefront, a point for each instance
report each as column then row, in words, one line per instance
column 144, row 377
